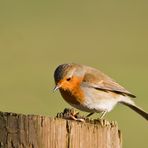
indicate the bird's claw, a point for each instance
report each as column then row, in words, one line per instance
column 70, row 114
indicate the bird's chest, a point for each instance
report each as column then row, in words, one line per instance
column 74, row 96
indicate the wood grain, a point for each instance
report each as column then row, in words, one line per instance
column 35, row 131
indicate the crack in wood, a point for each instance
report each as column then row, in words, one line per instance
column 33, row 131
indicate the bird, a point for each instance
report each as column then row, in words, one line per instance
column 90, row 90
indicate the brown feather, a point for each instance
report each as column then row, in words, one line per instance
column 137, row 109
column 98, row 80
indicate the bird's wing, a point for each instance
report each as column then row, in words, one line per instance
column 98, row 80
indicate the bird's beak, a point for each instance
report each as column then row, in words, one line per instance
column 56, row 87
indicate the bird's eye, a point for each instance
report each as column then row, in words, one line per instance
column 68, row 79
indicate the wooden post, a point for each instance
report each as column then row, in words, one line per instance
column 35, row 131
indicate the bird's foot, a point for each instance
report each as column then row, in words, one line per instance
column 70, row 114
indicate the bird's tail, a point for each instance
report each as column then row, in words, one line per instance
column 137, row 109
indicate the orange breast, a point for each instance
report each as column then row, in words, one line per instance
column 72, row 92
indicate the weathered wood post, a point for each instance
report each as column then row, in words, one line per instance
column 34, row 131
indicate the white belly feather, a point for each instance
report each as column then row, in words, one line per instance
column 97, row 103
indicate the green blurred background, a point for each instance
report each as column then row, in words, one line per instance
column 36, row 36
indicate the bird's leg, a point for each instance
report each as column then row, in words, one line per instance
column 72, row 114
column 103, row 114
column 76, row 119
column 90, row 114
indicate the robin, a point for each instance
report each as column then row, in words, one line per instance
column 90, row 90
